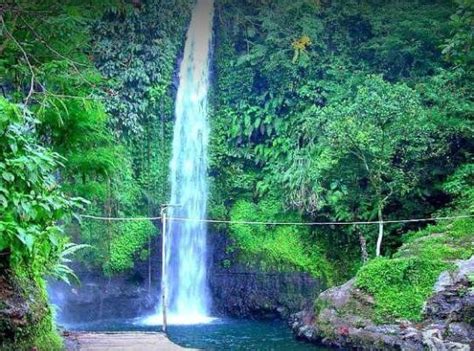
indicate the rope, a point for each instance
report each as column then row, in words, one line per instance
column 276, row 223
column 120, row 218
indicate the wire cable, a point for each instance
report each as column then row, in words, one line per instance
column 218, row 221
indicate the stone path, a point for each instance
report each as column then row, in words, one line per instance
column 124, row 341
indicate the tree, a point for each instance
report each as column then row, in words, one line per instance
column 376, row 142
column 458, row 48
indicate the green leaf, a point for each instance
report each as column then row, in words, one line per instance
column 3, row 201
column 9, row 177
column 27, row 239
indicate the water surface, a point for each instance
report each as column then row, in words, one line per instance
column 222, row 334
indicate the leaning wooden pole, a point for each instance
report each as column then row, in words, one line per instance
column 163, row 270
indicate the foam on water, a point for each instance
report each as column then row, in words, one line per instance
column 157, row 319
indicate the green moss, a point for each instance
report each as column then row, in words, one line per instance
column 402, row 284
column 42, row 336
column 275, row 247
column 442, row 242
column 127, row 245
column 319, row 305
column 115, row 246
column 40, row 331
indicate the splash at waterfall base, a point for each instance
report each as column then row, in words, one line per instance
column 157, row 319
column 243, row 291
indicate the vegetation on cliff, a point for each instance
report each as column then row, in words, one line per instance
column 402, row 284
column 341, row 112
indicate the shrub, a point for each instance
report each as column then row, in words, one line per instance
column 275, row 247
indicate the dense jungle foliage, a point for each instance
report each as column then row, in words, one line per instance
column 340, row 111
column 107, row 118
column 321, row 111
column 85, row 120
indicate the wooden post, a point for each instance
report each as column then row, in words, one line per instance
column 378, row 249
column 163, row 269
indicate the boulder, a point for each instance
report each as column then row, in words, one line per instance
column 343, row 318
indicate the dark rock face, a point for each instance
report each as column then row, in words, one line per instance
column 14, row 308
column 237, row 291
column 98, row 297
column 261, row 295
column 23, row 307
column 242, row 291
column 343, row 318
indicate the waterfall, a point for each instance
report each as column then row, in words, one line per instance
column 188, row 298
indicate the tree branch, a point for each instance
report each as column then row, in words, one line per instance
column 4, row 44
column 25, row 55
column 73, row 63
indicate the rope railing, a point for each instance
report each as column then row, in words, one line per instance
column 218, row 221
column 119, row 218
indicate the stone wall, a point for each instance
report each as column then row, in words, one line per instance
column 241, row 291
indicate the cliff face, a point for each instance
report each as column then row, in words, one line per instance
column 98, row 297
column 344, row 318
column 261, row 295
column 238, row 290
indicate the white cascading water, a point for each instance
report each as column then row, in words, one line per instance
column 186, row 281
column 186, row 253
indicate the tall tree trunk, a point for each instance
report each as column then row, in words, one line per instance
column 380, row 236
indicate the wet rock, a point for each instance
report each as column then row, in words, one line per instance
column 302, row 324
column 14, row 308
column 99, row 298
column 460, row 332
column 453, row 298
column 339, row 296
column 237, row 290
column 263, row 295
column 23, row 307
column 433, row 340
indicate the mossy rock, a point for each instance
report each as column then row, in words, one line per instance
column 26, row 320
